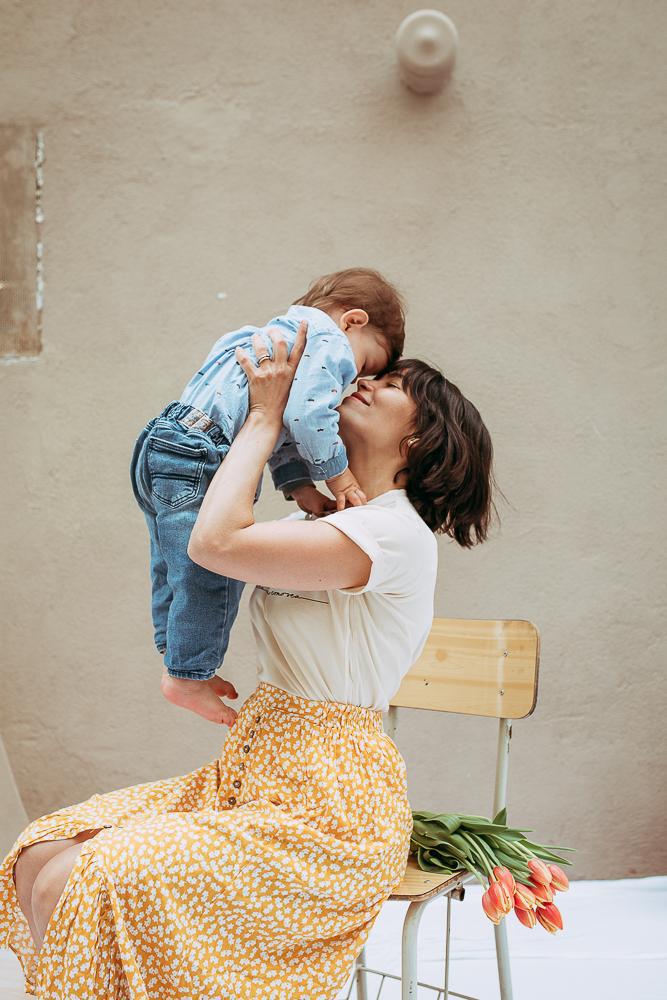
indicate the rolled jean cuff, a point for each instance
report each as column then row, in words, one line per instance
column 191, row 675
column 289, row 488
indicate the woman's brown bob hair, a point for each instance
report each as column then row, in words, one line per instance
column 449, row 472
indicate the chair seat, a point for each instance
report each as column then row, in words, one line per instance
column 417, row 884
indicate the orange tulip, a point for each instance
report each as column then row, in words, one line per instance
column 542, row 893
column 559, row 879
column 539, row 871
column 491, row 908
column 524, row 898
column 526, row 917
column 505, row 876
column 501, row 896
column 550, row 918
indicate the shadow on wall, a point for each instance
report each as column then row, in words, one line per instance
column 12, row 814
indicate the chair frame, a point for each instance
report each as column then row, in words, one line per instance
column 487, row 644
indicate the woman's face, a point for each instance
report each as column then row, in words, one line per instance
column 380, row 413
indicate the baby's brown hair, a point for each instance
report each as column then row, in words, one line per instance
column 362, row 288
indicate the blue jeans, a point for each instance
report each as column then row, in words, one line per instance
column 193, row 609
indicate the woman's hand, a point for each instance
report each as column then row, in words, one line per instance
column 269, row 382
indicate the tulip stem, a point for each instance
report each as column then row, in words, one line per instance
column 479, row 878
column 523, row 850
column 477, row 854
column 486, row 848
column 509, row 857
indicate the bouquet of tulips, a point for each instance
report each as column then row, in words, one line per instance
column 517, row 874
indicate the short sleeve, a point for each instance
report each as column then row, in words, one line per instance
column 390, row 539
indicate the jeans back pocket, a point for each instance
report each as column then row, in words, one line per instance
column 175, row 470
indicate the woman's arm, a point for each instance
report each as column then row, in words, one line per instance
column 297, row 555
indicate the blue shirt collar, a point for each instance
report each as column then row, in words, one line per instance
column 315, row 316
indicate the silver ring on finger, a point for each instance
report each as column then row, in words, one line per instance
column 264, row 357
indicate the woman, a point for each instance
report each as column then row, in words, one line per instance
column 260, row 874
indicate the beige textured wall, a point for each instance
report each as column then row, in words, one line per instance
column 245, row 148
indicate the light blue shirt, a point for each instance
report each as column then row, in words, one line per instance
column 309, row 447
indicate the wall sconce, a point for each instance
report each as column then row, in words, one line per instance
column 426, row 46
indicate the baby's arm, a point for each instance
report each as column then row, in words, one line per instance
column 311, row 415
column 290, row 474
column 288, row 469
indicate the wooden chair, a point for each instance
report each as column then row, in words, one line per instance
column 473, row 667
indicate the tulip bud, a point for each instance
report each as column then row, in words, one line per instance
column 505, row 876
column 501, row 896
column 559, row 879
column 539, row 871
column 550, row 918
column 524, row 898
column 542, row 893
column 492, row 910
column 526, row 917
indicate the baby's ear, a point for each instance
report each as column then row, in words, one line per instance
column 356, row 318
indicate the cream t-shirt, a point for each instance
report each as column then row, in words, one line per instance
column 354, row 646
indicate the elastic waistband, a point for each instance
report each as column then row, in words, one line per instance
column 328, row 713
column 193, row 419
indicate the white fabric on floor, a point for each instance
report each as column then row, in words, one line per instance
column 614, row 946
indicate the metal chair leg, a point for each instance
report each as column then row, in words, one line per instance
column 447, row 929
column 503, row 959
column 499, row 801
column 409, row 951
column 360, row 977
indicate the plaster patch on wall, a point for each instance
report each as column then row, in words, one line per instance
column 21, row 245
column 39, row 219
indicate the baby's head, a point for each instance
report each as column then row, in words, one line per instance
column 368, row 309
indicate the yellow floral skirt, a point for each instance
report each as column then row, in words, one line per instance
column 258, row 875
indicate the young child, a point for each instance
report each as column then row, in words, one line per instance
column 355, row 328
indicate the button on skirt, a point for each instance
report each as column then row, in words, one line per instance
column 258, row 875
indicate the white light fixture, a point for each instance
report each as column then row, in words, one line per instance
column 426, row 45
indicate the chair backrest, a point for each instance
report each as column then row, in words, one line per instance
column 475, row 667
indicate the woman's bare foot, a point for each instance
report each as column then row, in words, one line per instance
column 201, row 697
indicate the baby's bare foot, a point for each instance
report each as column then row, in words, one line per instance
column 201, row 697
